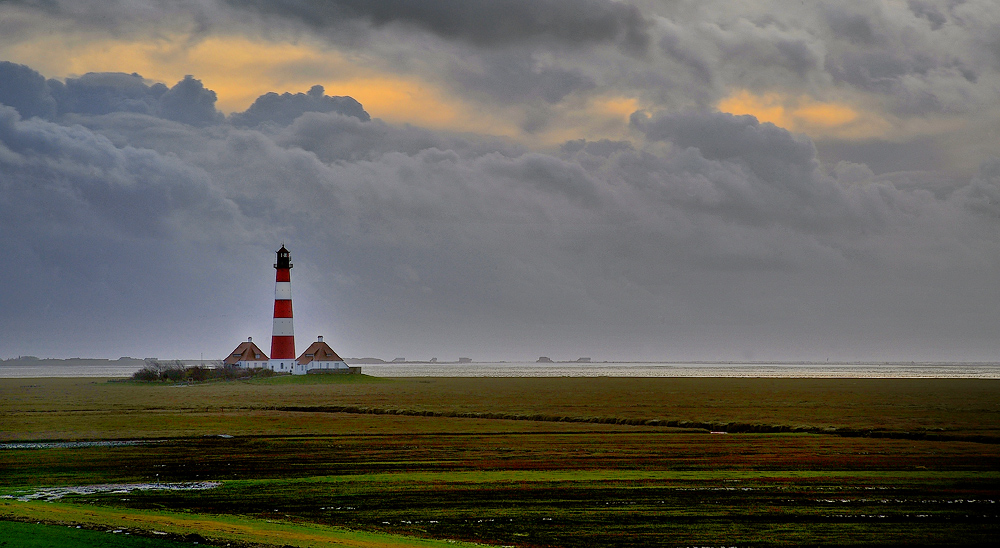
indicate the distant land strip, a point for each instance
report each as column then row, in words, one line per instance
column 727, row 427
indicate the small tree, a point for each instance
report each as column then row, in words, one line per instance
column 173, row 372
column 147, row 374
column 198, row 373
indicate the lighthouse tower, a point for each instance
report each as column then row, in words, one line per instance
column 282, row 335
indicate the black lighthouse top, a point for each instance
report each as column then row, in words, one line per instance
column 283, row 258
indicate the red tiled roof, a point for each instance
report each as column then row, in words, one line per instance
column 319, row 351
column 246, row 351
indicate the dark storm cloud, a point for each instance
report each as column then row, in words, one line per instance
column 921, row 153
column 604, row 147
column 743, row 52
column 134, row 190
column 26, row 90
column 98, row 93
column 189, row 102
column 930, row 11
column 334, row 137
column 982, row 194
column 924, row 59
column 479, row 22
column 779, row 178
column 285, row 108
column 107, row 92
column 709, row 236
column 920, row 57
column 99, row 230
column 517, row 78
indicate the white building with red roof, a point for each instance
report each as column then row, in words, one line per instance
column 247, row 355
column 319, row 358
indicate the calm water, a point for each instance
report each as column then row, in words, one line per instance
column 985, row 371
column 623, row 369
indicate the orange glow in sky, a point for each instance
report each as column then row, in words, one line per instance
column 803, row 114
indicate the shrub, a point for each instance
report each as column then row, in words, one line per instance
column 172, row 373
column 147, row 374
column 177, row 372
column 198, row 373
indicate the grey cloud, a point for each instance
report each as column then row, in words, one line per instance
column 930, row 11
column 918, row 154
column 121, row 17
column 919, row 57
column 850, row 24
column 135, row 190
column 103, row 235
column 106, row 92
column 26, row 90
column 982, row 194
column 766, row 46
column 707, row 228
column 479, row 22
column 189, row 102
column 760, row 175
column 335, row 137
column 101, row 93
column 604, row 147
column 922, row 59
column 285, row 108
column 773, row 154
column 517, row 78
column 752, row 54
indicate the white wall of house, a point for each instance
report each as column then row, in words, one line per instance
column 282, row 366
column 326, row 365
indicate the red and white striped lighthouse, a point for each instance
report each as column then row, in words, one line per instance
column 282, row 335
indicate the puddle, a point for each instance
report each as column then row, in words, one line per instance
column 56, row 493
column 73, row 444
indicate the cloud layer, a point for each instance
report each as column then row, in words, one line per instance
column 143, row 220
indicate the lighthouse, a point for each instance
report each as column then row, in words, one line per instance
column 282, row 334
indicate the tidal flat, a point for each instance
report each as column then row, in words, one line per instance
column 362, row 461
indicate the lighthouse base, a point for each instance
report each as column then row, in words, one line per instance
column 282, row 366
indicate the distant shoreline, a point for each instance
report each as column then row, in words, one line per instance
column 399, row 369
column 139, row 362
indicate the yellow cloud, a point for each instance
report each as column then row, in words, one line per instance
column 803, row 114
column 826, row 115
column 415, row 101
column 766, row 108
column 239, row 69
column 236, row 68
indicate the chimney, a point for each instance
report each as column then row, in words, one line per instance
column 249, row 339
column 319, row 339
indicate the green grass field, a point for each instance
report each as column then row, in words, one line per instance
column 30, row 535
column 515, row 461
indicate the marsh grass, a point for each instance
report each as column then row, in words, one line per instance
column 37, row 535
column 587, row 462
column 932, row 406
column 191, row 528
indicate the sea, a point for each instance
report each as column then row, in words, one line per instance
column 594, row 369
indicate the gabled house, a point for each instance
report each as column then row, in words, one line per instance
column 319, row 358
column 247, row 355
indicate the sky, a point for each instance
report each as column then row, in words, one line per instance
column 503, row 179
